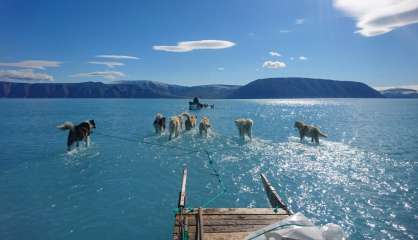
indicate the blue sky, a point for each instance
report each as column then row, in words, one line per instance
column 64, row 41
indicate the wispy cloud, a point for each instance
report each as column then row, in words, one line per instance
column 274, row 64
column 108, row 64
column 103, row 74
column 303, row 58
column 414, row 87
column 376, row 17
column 300, row 21
column 285, row 31
column 292, row 58
column 188, row 46
column 275, row 54
column 221, row 68
column 34, row 64
column 119, row 57
column 25, row 75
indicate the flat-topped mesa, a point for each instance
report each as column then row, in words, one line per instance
column 226, row 223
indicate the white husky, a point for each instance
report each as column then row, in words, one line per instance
column 244, row 126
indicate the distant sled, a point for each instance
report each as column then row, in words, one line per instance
column 196, row 105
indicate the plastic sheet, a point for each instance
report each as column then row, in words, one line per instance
column 298, row 227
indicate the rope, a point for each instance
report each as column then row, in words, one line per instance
column 212, row 164
column 218, row 177
column 187, row 151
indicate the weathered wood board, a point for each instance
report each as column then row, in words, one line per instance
column 227, row 223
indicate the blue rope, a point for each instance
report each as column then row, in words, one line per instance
column 212, row 164
column 218, row 177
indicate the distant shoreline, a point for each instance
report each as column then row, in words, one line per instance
column 270, row 88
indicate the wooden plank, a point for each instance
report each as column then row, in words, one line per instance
column 223, row 222
column 200, row 224
column 235, row 217
column 274, row 198
column 182, row 194
column 227, row 236
column 221, row 236
column 240, row 211
column 219, row 229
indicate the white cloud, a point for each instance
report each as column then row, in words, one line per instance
column 275, row 54
column 303, row 58
column 300, row 21
column 35, row 64
column 274, row 64
column 221, row 68
column 25, row 75
column 376, row 17
column 292, row 58
column 285, row 31
column 188, row 46
column 108, row 64
column 104, row 74
column 120, row 57
column 414, row 87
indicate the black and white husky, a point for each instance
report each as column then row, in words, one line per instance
column 159, row 123
column 80, row 132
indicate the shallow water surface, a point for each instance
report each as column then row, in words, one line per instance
column 125, row 185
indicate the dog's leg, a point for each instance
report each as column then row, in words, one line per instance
column 69, row 141
column 250, row 133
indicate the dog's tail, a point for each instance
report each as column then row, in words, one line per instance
column 186, row 114
column 66, row 126
column 322, row 134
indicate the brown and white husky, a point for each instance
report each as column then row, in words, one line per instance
column 190, row 121
column 204, row 127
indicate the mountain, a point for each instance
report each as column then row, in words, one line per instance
column 400, row 93
column 203, row 91
column 262, row 88
column 121, row 89
column 75, row 90
column 304, row 88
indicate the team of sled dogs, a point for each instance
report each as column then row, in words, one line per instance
column 180, row 123
column 244, row 126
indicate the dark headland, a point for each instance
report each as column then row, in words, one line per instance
column 261, row 88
